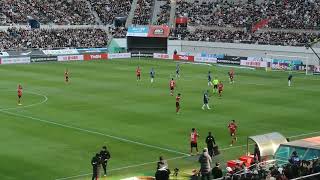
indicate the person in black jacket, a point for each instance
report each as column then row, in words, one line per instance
column 105, row 156
column 256, row 153
column 95, row 164
column 210, row 144
column 217, row 171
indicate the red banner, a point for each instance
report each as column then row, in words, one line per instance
column 260, row 25
column 89, row 57
column 159, row 31
column 183, row 57
column 181, row 20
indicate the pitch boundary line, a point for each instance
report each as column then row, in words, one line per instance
column 179, row 157
column 93, row 132
column 30, row 105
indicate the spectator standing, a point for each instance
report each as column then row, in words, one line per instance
column 205, row 165
column 105, row 156
column 210, row 141
column 217, row 171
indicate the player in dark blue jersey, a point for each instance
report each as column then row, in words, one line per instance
column 289, row 79
column 209, row 79
column 152, row 74
column 177, row 71
column 206, row 100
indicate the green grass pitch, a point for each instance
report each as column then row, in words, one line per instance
column 59, row 127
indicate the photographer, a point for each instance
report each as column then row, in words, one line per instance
column 105, row 156
column 163, row 171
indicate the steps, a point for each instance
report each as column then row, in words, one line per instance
column 94, row 13
column 131, row 13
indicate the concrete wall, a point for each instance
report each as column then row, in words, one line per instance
column 234, row 49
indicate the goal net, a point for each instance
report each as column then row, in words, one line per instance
column 289, row 63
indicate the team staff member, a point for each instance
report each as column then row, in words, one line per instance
column 210, row 141
column 95, row 164
column 105, row 156
column 194, row 140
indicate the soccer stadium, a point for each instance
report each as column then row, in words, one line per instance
column 159, row 89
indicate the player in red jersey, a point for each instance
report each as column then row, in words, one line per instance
column 231, row 75
column 172, row 85
column 19, row 94
column 178, row 103
column 138, row 73
column 233, row 129
column 194, row 140
column 66, row 76
column 220, row 88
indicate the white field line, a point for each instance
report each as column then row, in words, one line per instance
column 45, row 99
column 93, row 132
column 175, row 158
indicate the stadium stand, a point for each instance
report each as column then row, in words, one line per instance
column 164, row 15
column 52, row 38
column 241, row 36
column 297, row 14
column 118, row 32
column 66, row 12
column 142, row 13
column 107, row 10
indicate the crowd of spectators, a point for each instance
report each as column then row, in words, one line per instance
column 64, row 12
column 242, row 36
column 294, row 168
column 164, row 16
column 52, row 38
column 107, row 10
column 118, row 32
column 142, row 14
column 293, row 14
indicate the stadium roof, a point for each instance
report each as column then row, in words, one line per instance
column 268, row 143
column 311, row 143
